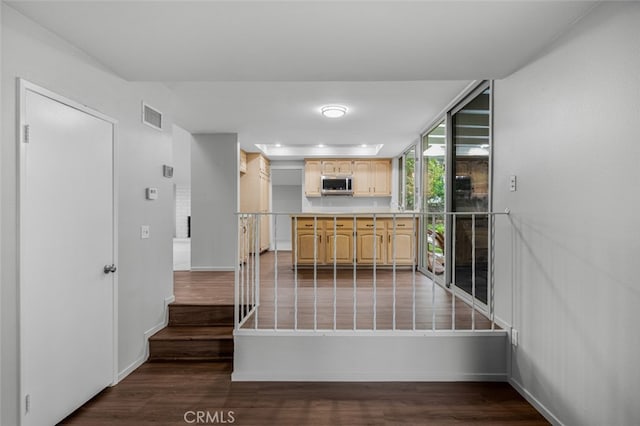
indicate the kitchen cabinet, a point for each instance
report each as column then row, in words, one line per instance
column 312, row 173
column 243, row 162
column 372, row 178
column 336, row 167
column 370, row 241
column 308, row 244
column 325, row 230
column 365, row 238
column 404, row 241
column 255, row 194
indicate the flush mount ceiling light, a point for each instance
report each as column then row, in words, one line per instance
column 333, row 111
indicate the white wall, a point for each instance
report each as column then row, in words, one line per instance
column 144, row 269
column 214, row 201
column 182, row 141
column 567, row 126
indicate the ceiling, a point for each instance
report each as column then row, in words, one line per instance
column 264, row 68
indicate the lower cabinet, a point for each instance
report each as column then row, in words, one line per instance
column 379, row 241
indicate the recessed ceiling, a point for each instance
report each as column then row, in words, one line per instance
column 264, row 68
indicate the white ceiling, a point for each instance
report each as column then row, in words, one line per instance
column 263, row 68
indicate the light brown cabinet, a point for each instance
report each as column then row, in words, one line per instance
column 312, row 174
column 243, row 162
column 255, row 196
column 370, row 240
column 336, row 167
column 326, row 235
column 372, row 178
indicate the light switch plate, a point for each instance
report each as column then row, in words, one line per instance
column 514, row 337
column 145, row 232
column 513, row 183
column 151, row 193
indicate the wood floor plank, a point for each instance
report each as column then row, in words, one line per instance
column 160, row 393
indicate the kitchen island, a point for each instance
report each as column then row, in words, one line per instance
column 344, row 239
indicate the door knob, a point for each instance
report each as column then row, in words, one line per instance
column 110, row 268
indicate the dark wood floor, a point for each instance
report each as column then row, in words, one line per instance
column 433, row 304
column 161, row 394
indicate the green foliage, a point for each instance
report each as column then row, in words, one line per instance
column 410, row 166
column 435, row 174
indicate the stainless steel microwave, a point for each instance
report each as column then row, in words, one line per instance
column 337, row 185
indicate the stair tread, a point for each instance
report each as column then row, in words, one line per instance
column 202, row 305
column 194, row 333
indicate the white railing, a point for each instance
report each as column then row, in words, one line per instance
column 368, row 286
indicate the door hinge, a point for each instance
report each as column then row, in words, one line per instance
column 26, row 133
column 27, row 404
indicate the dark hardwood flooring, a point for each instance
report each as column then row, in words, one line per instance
column 432, row 301
column 161, row 393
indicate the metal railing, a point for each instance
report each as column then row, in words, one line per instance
column 366, row 272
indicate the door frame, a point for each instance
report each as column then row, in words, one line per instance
column 23, row 86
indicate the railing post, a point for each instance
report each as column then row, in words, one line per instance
column 454, row 221
column 393, row 324
column 315, row 272
column 375, row 257
column 433, row 271
column 256, row 262
column 335, row 270
column 413, row 271
column 236, row 281
column 355, row 293
column 473, row 271
column 295, row 272
column 275, row 272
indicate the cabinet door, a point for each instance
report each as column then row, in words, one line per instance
column 312, row 178
column 305, row 247
column 366, row 241
column 361, row 172
column 329, row 167
column 344, row 167
column 343, row 247
column 404, row 243
column 264, row 193
column 380, row 177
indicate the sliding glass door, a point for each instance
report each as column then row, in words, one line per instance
column 456, row 178
column 470, row 136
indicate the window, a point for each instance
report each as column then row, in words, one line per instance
column 407, row 181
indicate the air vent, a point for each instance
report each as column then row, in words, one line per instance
column 151, row 117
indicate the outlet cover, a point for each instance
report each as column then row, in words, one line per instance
column 145, row 232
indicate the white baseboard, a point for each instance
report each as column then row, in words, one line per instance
column 213, row 268
column 147, row 334
column 535, row 402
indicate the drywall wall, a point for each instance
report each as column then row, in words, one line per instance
column 352, row 356
column 567, row 126
column 214, row 194
column 182, row 141
column 144, row 268
column 284, row 199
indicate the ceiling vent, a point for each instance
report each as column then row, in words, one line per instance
column 151, row 117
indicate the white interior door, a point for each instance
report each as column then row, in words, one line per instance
column 66, row 239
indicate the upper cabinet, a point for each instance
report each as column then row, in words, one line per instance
column 312, row 173
column 372, row 178
column 243, row 162
column 336, row 167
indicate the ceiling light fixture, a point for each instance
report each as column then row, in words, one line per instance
column 278, row 145
column 364, row 145
column 320, row 146
column 333, row 111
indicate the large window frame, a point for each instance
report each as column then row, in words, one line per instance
column 445, row 117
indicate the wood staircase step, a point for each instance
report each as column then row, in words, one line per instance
column 188, row 343
column 200, row 315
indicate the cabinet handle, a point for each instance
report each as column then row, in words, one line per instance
column 339, row 225
column 308, row 225
column 389, row 238
column 369, row 226
column 320, row 239
column 400, row 225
